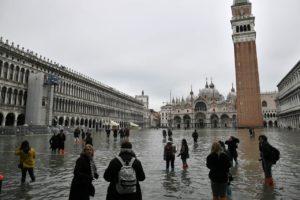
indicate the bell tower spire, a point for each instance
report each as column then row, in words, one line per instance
column 249, row 112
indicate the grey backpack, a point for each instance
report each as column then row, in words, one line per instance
column 126, row 178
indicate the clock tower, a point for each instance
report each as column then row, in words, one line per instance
column 249, row 113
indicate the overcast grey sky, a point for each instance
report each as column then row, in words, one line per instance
column 154, row 45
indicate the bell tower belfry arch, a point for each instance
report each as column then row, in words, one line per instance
column 249, row 113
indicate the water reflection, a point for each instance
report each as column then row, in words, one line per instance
column 54, row 172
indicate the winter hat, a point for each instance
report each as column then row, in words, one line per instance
column 126, row 145
column 170, row 140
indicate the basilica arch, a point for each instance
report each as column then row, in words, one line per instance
column 187, row 121
column 225, row 121
column 200, row 120
column 214, row 121
column 177, row 121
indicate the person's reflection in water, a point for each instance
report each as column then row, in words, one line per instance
column 185, row 178
column 170, row 183
column 267, row 193
column 24, row 192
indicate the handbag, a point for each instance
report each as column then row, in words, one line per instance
column 20, row 165
column 92, row 190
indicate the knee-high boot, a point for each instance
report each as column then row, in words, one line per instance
column 269, row 182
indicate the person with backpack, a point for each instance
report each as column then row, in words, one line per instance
column 184, row 153
column 232, row 146
column 268, row 156
column 124, row 173
column 169, row 154
column 85, row 172
column 53, row 143
column 61, row 142
column 76, row 135
column 27, row 160
column 89, row 139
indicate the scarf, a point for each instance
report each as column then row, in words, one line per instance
column 93, row 167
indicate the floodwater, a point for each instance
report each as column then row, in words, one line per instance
column 54, row 172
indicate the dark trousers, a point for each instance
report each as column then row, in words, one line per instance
column 31, row 174
column 169, row 160
column 195, row 140
column 267, row 167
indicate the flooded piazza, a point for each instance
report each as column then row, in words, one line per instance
column 55, row 172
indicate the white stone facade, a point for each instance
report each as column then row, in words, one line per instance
column 146, row 112
column 37, row 91
column 269, row 108
column 207, row 109
column 289, row 99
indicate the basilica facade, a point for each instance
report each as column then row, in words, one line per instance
column 207, row 109
column 39, row 92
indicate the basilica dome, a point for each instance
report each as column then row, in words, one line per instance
column 231, row 94
column 210, row 92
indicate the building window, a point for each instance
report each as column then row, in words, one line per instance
column 264, row 104
column 43, row 101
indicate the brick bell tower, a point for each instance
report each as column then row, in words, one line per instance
column 249, row 113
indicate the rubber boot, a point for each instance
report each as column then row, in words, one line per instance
column 269, row 182
column 61, row 152
column 185, row 166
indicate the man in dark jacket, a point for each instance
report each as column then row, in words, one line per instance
column 61, row 142
column 112, row 171
column 232, row 146
column 266, row 159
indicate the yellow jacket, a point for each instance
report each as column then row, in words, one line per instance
column 28, row 160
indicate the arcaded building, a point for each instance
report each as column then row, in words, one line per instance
column 37, row 91
column 289, row 99
column 207, row 109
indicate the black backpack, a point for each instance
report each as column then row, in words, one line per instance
column 275, row 154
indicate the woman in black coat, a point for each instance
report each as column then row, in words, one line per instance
column 112, row 171
column 218, row 163
column 84, row 173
